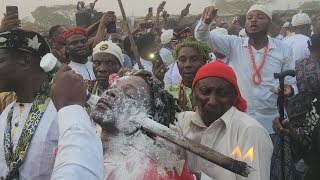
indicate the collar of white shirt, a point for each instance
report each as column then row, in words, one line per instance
column 271, row 43
column 226, row 118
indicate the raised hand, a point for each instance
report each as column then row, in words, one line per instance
column 68, row 88
column 159, row 70
column 185, row 11
column 108, row 18
column 9, row 22
column 209, row 14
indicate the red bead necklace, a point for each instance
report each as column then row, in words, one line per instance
column 257, row 79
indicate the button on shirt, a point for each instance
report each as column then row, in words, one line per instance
column 299, row 45
column 233, row 129
column 40, row 158
column 85, row 70
column 262, row 104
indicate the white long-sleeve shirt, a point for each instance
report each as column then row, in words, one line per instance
column 262, row 104
column 299, row 45
column 85, row 70
column 80, row 153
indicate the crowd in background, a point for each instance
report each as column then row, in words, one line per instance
column 208, row 81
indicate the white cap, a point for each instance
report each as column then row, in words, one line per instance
column 286, row 24
column 166, row 36
column 259, row 7
column 300, row 19
column 243, row 33
column 109, row 47
column 49, row 62
column 220, row 31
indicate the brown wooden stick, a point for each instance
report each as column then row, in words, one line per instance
column 211, row 155
column 133, row 43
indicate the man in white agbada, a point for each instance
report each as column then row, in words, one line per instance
column 166, row 52
column 79, row 154
column 301, row 24
column 255, row 59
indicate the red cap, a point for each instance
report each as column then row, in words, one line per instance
column 221, row 70
column 74, row 31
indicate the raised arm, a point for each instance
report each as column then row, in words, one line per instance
column 221, row 43
column 105, row 20
column 79, row 153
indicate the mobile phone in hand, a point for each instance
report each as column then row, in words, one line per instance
column 150, row 11
column 112, row 28
column 156, row 57
column 163, row 3
column 10, row 10
column 147, row 25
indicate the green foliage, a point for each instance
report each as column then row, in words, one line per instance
column 53, row 15
column 202, row 49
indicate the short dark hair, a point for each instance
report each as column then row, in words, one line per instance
column 314, row 42
column 145, row 40
column 127, row 46
column 54, row 29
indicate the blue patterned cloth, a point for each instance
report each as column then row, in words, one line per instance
column 290, row 171
column 308, row 73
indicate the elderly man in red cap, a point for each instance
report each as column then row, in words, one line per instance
column 222, row 125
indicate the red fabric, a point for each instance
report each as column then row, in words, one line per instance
column 113, row 77
column 221, row 70
column 141, row 167
column 74, row 31
column 153, row 173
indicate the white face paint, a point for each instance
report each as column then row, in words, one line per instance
column 127, row 99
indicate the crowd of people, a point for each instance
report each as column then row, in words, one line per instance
column 210, row 82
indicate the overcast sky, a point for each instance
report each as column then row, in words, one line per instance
column 132, row 7
column 135, row 7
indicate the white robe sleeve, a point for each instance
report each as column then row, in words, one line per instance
column 80, row 153
column 221, row 43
